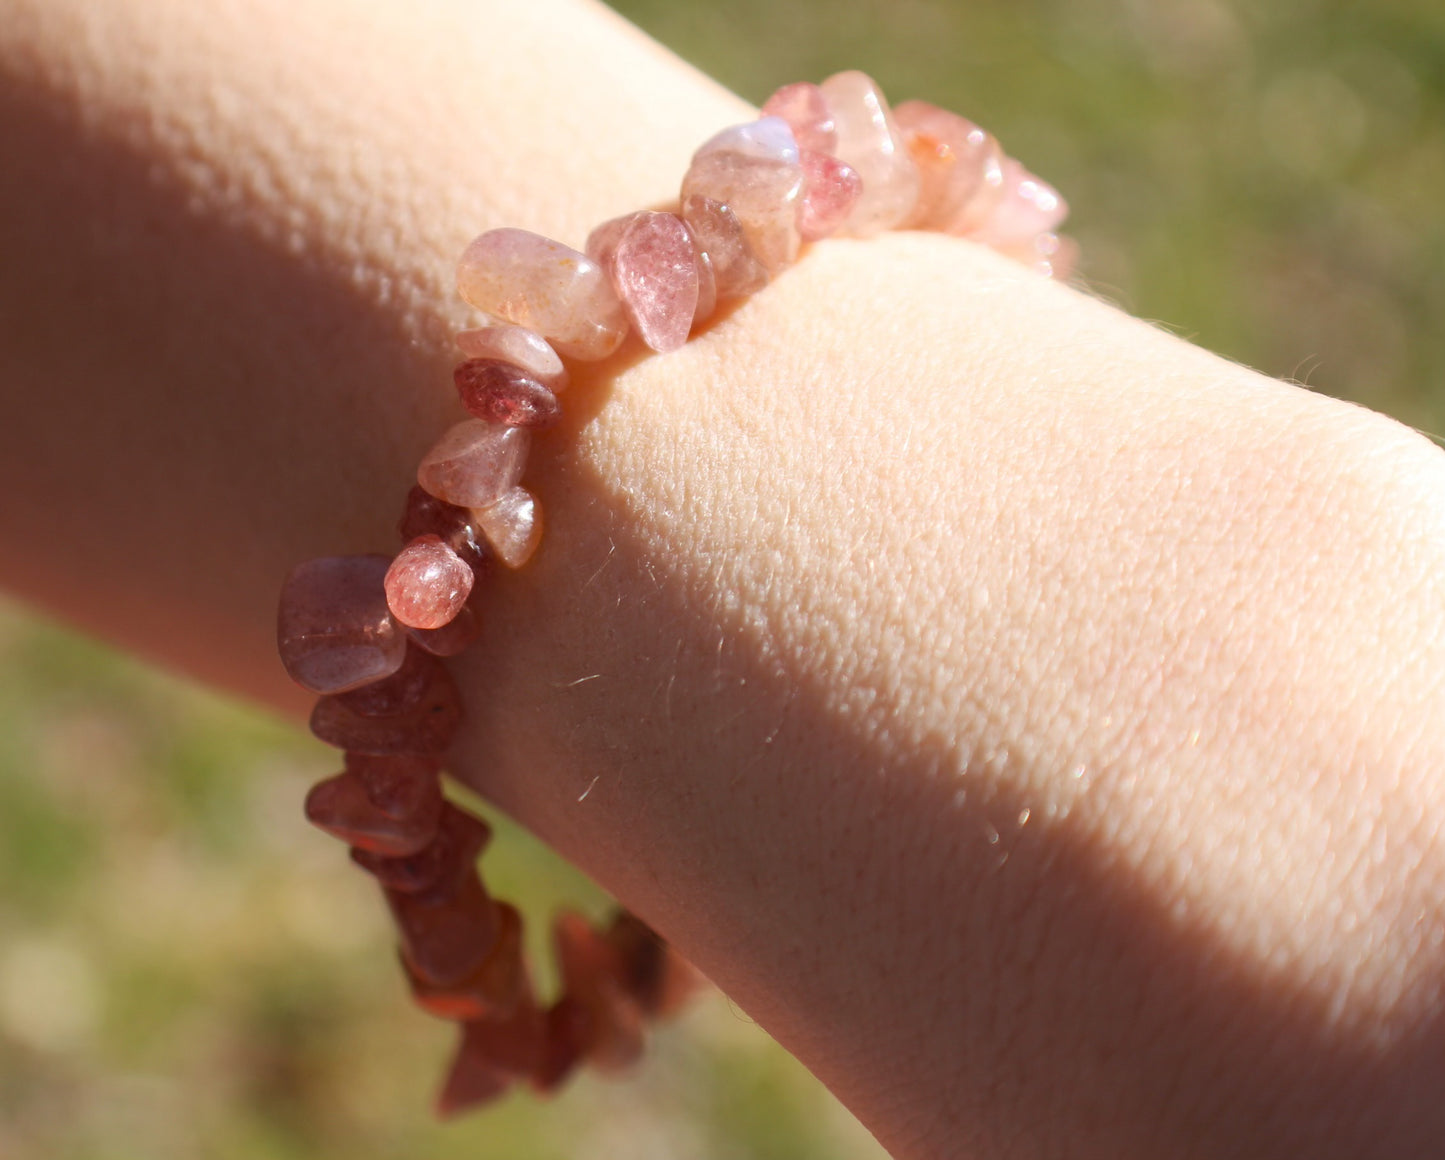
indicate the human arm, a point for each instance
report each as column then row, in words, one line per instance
column 828, row 599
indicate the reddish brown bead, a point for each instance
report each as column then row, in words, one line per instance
column 450, row 639
column 333, row 629
column 391, row 782
column 439, row 867
column 471, row 1085
column 500, row 392
column 398, row 693
column 656, row 977
column 425, row 725
column 394, row 812
column 427, row 584
column 591, row 975
column 445, row 938
column 426, row 515
column 493, row 989
column 493, row 1054
column 568, row 1031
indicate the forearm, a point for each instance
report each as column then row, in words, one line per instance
column 933, row 653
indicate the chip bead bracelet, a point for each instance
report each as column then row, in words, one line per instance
column 368, row 633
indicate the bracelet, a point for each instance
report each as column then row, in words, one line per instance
column 368, row 632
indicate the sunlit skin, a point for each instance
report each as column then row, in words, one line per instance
column 1034, row 721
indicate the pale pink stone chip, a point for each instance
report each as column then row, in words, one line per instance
column 1028, row 207
column 869, row 140
column 959, row 164
column 333, row 629
column 602, row 243
column 805, row 109
column 706, row 280
column 475, row 463
column 513, row 526
column 1062, row 258
column 654, row 269
column 736, row 270
column 535, row 282
column 754, row 171
column 518, row 346
column 427, row 584
column 1052, row 255
column 766, row 139
column 830, row 190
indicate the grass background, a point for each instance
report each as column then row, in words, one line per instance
column 187, row 971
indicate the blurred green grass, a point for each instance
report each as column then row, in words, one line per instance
column 186, row 970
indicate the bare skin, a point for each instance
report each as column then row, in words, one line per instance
column 1037, row 723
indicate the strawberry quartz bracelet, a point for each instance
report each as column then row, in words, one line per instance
column 368, row 633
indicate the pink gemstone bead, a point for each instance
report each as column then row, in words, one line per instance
column 333, row 628
column 589, row 969
column 401, row 820
column 499, row 392
column 438, row 867
column 831, row 189
column 424, row 515
column 445, row 937
column 535, row 282
column 475, row 463
column 450, row 639
column 653, row 265
column 495, row 988
column 519, row 346
column 869, row 141
column 1061, row 252
column 706, row 281
column 603, row 241
column 1028, row 207
column 398, row 785
column 737, row 272
column 425, row 722
column 960, row 167
column 805, row 109
column 427, row 584
column 756, row 172
column 513, row 526
column 1052, row 255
